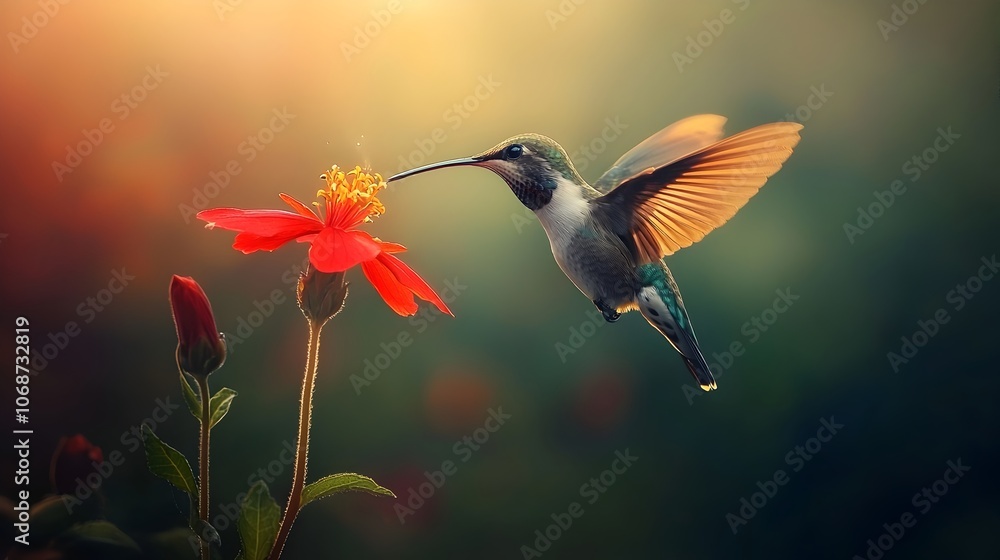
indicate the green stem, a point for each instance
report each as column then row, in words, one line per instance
column 302, row 449
column 206, row 426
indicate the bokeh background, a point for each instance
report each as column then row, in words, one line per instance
column 397, row 84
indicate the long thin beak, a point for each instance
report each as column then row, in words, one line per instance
column 439, row 165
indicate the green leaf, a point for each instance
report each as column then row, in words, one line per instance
column 219, row 405
column 336, row 483
column 258, row 523
column 168, row 463
column 98, row 536
column 207, row 532
column 192, row 400
column 54, row 514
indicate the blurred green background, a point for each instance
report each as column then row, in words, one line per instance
column 395, row 85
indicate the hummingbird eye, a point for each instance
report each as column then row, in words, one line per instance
column 513, row 152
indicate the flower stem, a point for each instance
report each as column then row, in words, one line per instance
column 206, row 426
column 302, row 449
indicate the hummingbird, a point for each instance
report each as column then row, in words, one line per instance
column 663, row 195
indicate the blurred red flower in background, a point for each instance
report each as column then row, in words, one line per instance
column 603, row 400
column 73, row 460
column 457, row 399
column 335, row 242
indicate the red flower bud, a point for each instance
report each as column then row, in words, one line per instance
column 75, row 459
column 200, row 348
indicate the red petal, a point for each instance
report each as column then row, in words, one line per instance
column 336, row 250
column 299, row 207
column 248, row 242
column 388, row 247
column 260, row 230
column 397, row 296
column 264, row 223
column 411, row 280
column 192, row 311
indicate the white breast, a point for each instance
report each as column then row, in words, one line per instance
column 561, row 219
column 564, row 215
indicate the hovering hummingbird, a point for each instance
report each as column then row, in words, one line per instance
column 665, row 194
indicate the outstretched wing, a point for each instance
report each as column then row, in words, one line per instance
column 673, row 206
column 666, row 146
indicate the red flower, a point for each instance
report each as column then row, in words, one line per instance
column 200, row 348
column 335, row 242
column 74, row 460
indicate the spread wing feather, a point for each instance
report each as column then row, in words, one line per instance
column 671, row 143
column 668, row 207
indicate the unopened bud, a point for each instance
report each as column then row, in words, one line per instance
column 321, row 295
column 200, row 347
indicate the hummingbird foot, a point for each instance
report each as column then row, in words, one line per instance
column 610, row 314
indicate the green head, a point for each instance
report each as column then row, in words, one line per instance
column 531, row 164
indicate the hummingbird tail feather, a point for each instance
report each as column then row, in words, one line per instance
column 661, row 305
column 699, row 369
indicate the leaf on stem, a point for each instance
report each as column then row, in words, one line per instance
column 207, row 532
column 343, row 482
column 219, row 405
column 98, row 537
column 190, row 397
column 168, row 463
column 258, row 522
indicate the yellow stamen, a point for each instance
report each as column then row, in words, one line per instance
column 354, row 192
